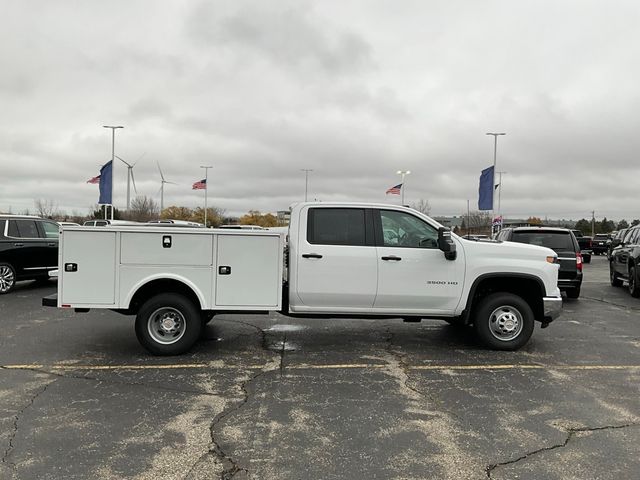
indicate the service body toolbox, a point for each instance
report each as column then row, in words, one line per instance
column 104, row 267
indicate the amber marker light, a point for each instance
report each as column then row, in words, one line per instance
column 552, row 259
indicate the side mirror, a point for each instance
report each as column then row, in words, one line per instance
column 446, row 244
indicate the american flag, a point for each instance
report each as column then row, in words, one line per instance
column 94, row 179
column 200, row 185
column 395, row 190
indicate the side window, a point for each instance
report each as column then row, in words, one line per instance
column 50, row 229
column 400, row 229
column 629, row 235
column 13, row 229
column 336, row 226
column 633, row 238
column 23, row 229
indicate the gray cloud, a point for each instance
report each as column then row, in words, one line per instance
column 353, row 90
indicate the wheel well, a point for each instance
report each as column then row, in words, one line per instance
column 159, row 286
column 528, row 288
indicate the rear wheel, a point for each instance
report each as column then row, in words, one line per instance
column 573, row 292
column 504, row 321
column 168, row 324
column 7, row 278
column 613, row 276
column 634, row 287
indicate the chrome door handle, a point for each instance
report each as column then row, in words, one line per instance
column 52, row 244
column 18, row 244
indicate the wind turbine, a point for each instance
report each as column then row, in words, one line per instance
column 130, row 178
column 162, row 182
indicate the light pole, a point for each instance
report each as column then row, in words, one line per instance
column 113, row 158
column 493, row 185
column 206, row 187
column 306, row 181
column 404, row 173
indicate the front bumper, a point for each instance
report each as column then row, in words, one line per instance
column 552, row 307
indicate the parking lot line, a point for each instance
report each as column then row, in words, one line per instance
column 345, row 366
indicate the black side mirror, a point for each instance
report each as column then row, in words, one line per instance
column 446, row 244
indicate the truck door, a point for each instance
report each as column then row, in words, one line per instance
column 336, row 258
column 413, row 273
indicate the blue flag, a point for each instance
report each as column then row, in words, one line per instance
column 485, row 198
column 105, row 184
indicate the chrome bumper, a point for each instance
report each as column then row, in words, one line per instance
column 552, row 307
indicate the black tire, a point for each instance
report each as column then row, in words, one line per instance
column 7, row 278
column 573, row 292
column 613, row 276
column 207, row 316
column 503, row 321
column 634, row 284
column 586, row 258
column 170, row 338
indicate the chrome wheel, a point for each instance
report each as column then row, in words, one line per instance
column 505, row 323
column 7, row 278
column 166, row 325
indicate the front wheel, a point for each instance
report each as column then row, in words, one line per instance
column 168, row 324
column 613, row 276
column 634, row 287
column 504, row 321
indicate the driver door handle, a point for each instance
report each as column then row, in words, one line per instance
column 392, row 257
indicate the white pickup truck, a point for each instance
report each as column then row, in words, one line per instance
column 340, row 259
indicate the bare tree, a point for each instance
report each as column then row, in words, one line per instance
column 143, row 209
column 422, row 206
column 46, row 208
column 478, row 222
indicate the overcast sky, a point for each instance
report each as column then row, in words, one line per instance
column 354, row 90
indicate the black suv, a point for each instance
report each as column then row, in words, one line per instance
column 601, row 243
column 28, row 249
column 624, row 261
column 560, row 240
column 616, row 240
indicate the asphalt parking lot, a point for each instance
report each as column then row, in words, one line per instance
column 269, row 397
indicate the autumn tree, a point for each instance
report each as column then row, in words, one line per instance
column 215, row 216
column 254, row 217
column 534, row 221
column 177, row 213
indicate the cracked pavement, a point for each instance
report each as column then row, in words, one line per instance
column 265, row 396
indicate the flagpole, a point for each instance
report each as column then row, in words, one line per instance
column 113, row 159
column 206, row 187
column 403, row 173
column 493, row 183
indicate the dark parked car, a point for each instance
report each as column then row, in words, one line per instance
column 28, row 249
column 560, row 240
column 586, row 245
column 616, row 240
column 600, row 243
column 625, row 260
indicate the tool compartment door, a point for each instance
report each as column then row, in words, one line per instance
column 249, row 271
column 88, row 268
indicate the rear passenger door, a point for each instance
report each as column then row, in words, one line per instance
column 27, row 246
column 336, row 259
